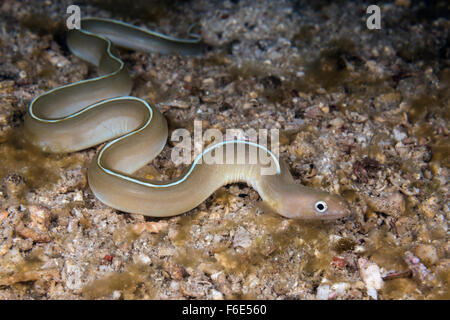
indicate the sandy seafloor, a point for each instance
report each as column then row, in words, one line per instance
column 362, row 113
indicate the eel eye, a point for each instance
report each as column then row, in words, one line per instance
column 321, row 206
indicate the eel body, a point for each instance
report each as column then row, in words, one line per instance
column 86, row 113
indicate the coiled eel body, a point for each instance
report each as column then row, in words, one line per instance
column 86, row 113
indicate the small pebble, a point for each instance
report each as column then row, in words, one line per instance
column 323, row 292
column 371, row 275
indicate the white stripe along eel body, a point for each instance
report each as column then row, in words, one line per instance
column 86, row 113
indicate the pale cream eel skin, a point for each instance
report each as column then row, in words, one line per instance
column 84, row 114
